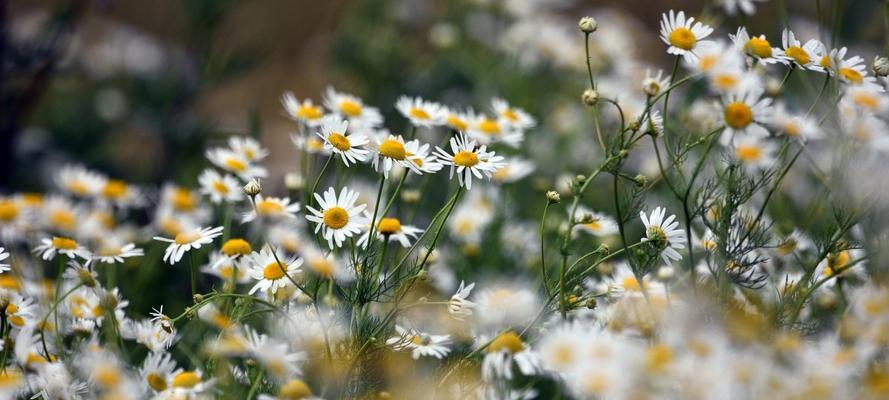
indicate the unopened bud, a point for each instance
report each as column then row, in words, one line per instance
column 773, row 87
column 624, row 154
column 252, row 188
column 294, row 181
column 588, row 25
column 553, row 197
column 881, row 66
column 665, row 273
column 422, row 275
column 591, row 303
column 580, row 179
column 603, row 249
column 590, row 97
column 410, row 196
column 640, row 180
column 198, row 298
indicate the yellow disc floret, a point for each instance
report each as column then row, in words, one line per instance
column 738, row 115
column 389, row 226
column 339, row 141
column 393, row 149
column 336, row 217
column 682, row 38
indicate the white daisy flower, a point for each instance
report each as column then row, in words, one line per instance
column 459, row 307
column 758, row 47
column 156, row 370
column 794, row 126
column 311, row 143
column 420, row 112
column 352, row 108
column 224, row 267
column 275, row 356
column 595, row 223
column 220, row 188
column 349, row 147
column 419, row 155
column 803, row 55
column 487, row 130
column 113, row 252
column 293, row 389
column 652, row 123
column 468, row 160
column 3, row 255
column 271, row 208
column 187, row 385
column 744, row 114
column 865, row 99
column 653, row 84
column 853, row 70
column 754, row 153
column 326, row 266
column 303, row 111
column 392, row 228
column 80, row 182
column 459, row 120
column 712, row 56
column 60, row 214
column 664, row 233
column 504, row 352
column 420, row 344
column 271, row 270
column 684, row 36
column 247, row 147
column 235, row 163
column 61, row 245
column 339, row 217
column 186, row 240
column 390, row 151
column 796, row 242
column 513, row 169
column 515, row 117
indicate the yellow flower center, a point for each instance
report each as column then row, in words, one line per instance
column 738, row 115
column 798, row 54
column 186, row 380
column 418, row 113
column 115, row 189
column 837, row 262
column 157, row 382
column 235, row 164
column 64, row 243
column 791, row 128
column 389, row 226
column 78, row 187
column 707, row 62
column 309, row 112
column 465, row 158
column 109, row 251
column 236, row 247
column 336, row 217
column 826, row 62
column 339, row 141
column 862, row 99
column 322, row 266
column 295, row 389
column 8, row 210
column 9, row 378
column 631, row 284
column 489, row 127
column 107, row 376
column 759, row 47
column 63, row 219
column 9, row 283
column 457, row 123
column 350, row 108
column 682, row 38
column 186, row 237
column 659, row 357
column 314, row 144
column 852, row 75
column 725, row 81
column 183, row 200
column 220, row 187
column 393, row 149
column 509, row 341
column 748, row 153
column 267, row 207
column 510, row 115
column 274, row 271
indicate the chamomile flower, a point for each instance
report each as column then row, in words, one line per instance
column 225, row 268
column 714, row 55
column 326, row 266
column 156, row 371
column 187, row 384
column 349, row 147
column 796, row 242
column 595, row 223
column 420, row 344
column 391, row 228
column 271, row 209
column 512, row 116
column 113, row 252
column 795, row 126
column 236, row 163
column 60, row 214
column 758, row 47
column 468, row 160
column 391, row 151
column 80, row 182
column 744, row 115
column 292, row 389
column 312, row 144
column 664, row 234
column 247, row 147
column 275, row 356
column 652, row 123
column 803, row 55
column 338, row 217
column 187, row 240
column 653, row 84
column 865, row 99
column 3, row 255
column 684, row 36
column 852, row 71
column 459, row 120
column 732, row 7
column 61, row 245
column 513, row 169
column 754, row 153
column 220, row 188
column 420, row 112
column 503, row 353
column 459, row 307
column 271, row 270
column 303, row 111
column 487, row 130
column 353, row 109
column 15, row 219
column 421, row 158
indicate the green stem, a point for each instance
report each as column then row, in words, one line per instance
column 543, row 249
column 311, row 194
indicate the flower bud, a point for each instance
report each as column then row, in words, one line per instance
column 252, row 188
column 410, row 196
column 640, row 180
column 603, row 249
column 588, row 25
column 198, row 298
column 591, row 303
column 580, row 179
column 881, row 66
column 665, row 273
column 294, row 181
column 553, row 197
column 590, row 97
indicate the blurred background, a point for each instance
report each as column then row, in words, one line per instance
column 138, row 89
